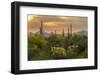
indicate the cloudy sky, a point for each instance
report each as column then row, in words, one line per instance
column 58, row 23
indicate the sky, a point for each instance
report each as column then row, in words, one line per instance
column 58, row 23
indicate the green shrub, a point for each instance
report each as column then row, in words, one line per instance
column 32, row 51
column 83, row 54
column 57, row 47
column 58, row 52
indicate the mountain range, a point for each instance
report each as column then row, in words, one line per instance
column 46, row 34
column 83, row 33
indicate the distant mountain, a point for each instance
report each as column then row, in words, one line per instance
column 44, row 33
column 30, row 33
column 83, row 33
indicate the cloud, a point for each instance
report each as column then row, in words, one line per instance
column 58, row 23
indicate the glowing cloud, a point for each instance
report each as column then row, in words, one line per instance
column 58, row 23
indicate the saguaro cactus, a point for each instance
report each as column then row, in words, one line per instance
column 41, row 28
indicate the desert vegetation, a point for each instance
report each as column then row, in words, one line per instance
column 57, row 47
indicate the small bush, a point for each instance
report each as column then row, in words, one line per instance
column 58, row 52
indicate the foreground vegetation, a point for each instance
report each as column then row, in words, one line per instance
column 57, row 47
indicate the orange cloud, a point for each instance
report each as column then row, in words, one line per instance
column 52, row 23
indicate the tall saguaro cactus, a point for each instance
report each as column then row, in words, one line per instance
column 41, row 27
column 63, row 32
column 68, row 31
column 71, row 29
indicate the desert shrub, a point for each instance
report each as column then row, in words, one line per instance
column 57, row 47
column 83, row 54
column 38, row 48
column 42, row 55
column 37, row 40
column 72, row 51
column 32, row 51
column 56, row 41
column 58, row 52
column 76, row 40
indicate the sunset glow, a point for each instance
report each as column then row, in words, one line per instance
column 58, row 23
